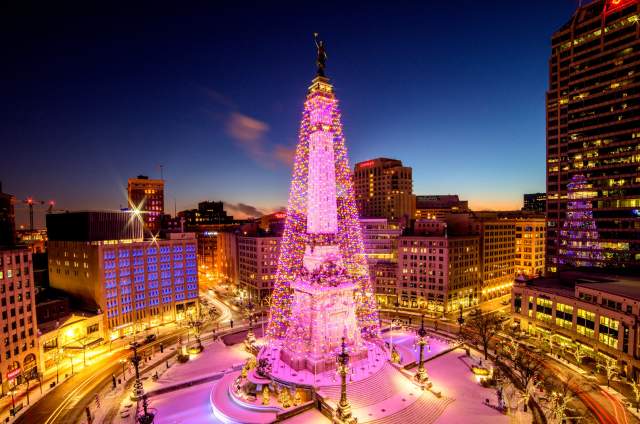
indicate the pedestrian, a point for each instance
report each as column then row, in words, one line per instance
column 113, row 380
column 231, row 323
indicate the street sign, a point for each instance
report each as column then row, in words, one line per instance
column 13, row 374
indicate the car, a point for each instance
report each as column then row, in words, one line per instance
column 150, row 338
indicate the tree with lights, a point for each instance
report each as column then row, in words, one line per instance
column 579, row 238
column 609, row 367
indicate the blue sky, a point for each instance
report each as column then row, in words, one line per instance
column 453, row 89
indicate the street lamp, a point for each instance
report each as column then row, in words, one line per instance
column 460, row 320
column 421, row 376
column 344, row 407
column 138, row 389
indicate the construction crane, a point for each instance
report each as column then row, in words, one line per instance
column 30, row 201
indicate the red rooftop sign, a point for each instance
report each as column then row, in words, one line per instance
column 367, row 164
column 13, row 374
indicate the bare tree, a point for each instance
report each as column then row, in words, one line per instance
column 527, row 367
column 609, row 367
column 579, row 353
column 559, row 396
column 482, row 329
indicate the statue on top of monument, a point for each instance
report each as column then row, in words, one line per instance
column 321, row 61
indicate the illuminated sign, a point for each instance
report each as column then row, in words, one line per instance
column 367, row 164
column 13, row 374
column 613, row 5
column 281, row 215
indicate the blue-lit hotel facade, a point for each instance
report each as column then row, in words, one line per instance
column 136, row 284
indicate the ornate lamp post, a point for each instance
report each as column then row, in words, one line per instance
column 251, row 337
column 421, row 376
column 344, row 407
column 460, row 321
column 146, row 417
column 138, row 389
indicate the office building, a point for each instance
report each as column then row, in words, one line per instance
column 137, row 284
column 535, row 202
column 593, row 134
column 257, row 265
column 438, row 206
column 147, row 197
column 19, row 350
column 380, row 239
column 207, row 213
column 7, row 219
column 384, row 189
column 226, row 261
column 530, row 247
column 589, row 311
column 438, row 273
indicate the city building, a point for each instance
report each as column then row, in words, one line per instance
column 535, row 202
column 380, row 239
column 147, row 197
column 593, row 134
column 438, row 205
column 530, row 247
column 497, row 247
column 207, row 213
column 438, row 273
column 7, row 219
column 136, row 283
column 257, row 265
column 34, row 240
column 226, row 261
column 74, row 338
column 575, row 310
column 497, row 256
column 19, row 351
column 384, row 189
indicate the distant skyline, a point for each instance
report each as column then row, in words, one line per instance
column 453, row 89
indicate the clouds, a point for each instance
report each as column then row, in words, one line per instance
column 243, row 211
column 249, row 134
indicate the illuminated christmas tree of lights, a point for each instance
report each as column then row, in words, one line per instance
column 580, row 244
column 322, row 246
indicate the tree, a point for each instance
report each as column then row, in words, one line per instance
column 558, row 397
column 579, row 353
column 609, row 367
column 635, row 386
column 482, row 329
column 526, row 367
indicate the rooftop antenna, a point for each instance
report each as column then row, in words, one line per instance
column 161, row 173
column 175, row 207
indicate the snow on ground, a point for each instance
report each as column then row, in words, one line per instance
column 187, row 406
column 404, row 342
column 454, row 379
column 215, row 358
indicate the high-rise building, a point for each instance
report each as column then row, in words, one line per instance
column 147, row 197
column 593, row 130
column 384, row 189
column 257, row 265
column 380, row 239
column 497, row 256
column 7, row 219
column 438, row 273
column 19, row 349
column 530, row 247
column 207, row 213
column 535, row 202
column 226, row 260
column 438, row 205
column 137, row 284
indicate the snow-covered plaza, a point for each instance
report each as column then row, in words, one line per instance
column 182, row 393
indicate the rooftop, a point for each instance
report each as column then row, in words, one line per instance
column 565, row 282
